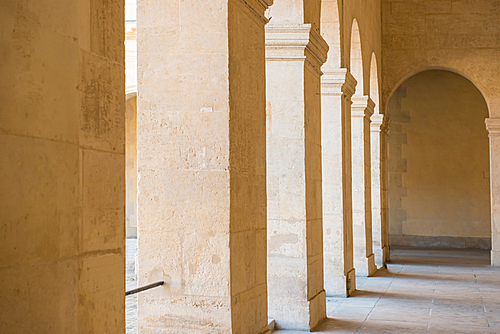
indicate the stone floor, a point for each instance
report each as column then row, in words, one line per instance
column 130, row 283
column 422, row 291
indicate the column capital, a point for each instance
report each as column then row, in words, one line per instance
column 386, row 125
column 296, row 42
column 493, row 126
column 377, row 122
column 338, row 81
column 362, row 106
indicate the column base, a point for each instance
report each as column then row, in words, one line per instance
column 300, row 315
column 367, row 266
column 379, row 257
column 495, row 258
column 351, row 282
column 387, row 255
column 341, row 285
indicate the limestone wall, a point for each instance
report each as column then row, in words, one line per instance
column 62, row 167
column 459, row 34
column 438, row 163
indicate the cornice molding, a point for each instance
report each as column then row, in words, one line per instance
column 493, row 126
column 296, row 42
column 338, row 81
column 362, row 106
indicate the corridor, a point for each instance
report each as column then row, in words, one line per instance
column 422, row 291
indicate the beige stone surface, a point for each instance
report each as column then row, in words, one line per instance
column 202, row 166
column 361, row 111
column 294, row 55
column 438, row 156
column 459, row 35
column 337, row 87
column 493, row 127
column 62, row 188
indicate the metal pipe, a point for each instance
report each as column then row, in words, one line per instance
column 144, row 288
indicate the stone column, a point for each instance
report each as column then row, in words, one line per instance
column 361, row 111
column 337, row 88
column 384, row 184
column 202, row 166
column 376, row 123
column 493, row 127
column 294, row 55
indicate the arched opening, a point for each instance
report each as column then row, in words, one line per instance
column 330, row 31
column 438, row 163
column 356, row 57
column 374, row 86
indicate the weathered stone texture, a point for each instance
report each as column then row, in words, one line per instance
column 439, row 173
column 202, row 171
column 294, row 55
column 460, row 35
column 62, row 189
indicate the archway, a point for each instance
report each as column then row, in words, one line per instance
column 438, row 163
column 356, row 58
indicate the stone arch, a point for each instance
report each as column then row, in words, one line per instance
column 374, row 84
column 439, row 160
column 356, row 58
column 330, row 31
column 430, row 68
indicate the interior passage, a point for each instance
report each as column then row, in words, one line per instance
column 422, row 291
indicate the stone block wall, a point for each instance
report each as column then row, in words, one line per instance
column 62, row 191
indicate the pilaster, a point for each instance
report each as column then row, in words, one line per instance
column 294, row 55
column 361, row 111
column 375, row 127
column 337, row 88
column 493, row 127
column 202, row 167
column 384, row 184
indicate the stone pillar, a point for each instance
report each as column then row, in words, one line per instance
column 493, row 127
column 361, row 111
column 384, row 184
column 376, row 190
column 202, row 166
column 337, row 88
column 294, row 55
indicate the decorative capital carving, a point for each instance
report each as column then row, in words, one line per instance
column 493, row 126
column 362, row 106
column 338, row 81
column 296, row 42
column 386, row 125
column 377, row 121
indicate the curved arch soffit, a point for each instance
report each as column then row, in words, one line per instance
column 330, row 30
column 356, row 57
column 433, row 68
column 375, row 83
